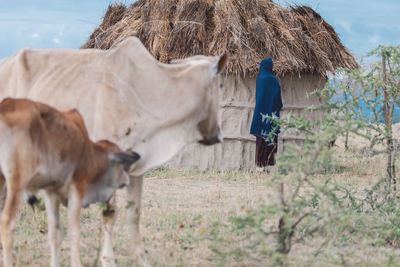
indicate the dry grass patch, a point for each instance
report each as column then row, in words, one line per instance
column 187, row 215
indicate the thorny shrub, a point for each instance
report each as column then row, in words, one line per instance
column 309, row 202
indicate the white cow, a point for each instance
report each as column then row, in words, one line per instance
column 128, row 97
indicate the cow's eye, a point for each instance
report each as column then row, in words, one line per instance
column 221, row 85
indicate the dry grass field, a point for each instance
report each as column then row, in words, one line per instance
column 186, row 215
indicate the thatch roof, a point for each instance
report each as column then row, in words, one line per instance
column 296, row 38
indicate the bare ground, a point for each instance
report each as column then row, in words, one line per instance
column 182, row 209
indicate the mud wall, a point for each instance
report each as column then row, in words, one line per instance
column 237, row 106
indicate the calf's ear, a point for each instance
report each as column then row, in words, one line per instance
column 125, row 158
column 221, row 63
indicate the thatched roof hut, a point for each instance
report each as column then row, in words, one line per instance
column 303, row 46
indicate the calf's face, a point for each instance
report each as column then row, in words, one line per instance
column 118, row 167
column 113, row 174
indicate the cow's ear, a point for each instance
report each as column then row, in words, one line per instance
column 125, row 158
column 220, row 64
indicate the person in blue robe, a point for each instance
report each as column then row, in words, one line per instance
column 268, row 104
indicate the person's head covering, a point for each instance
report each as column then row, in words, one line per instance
column 268, row 100
column 266, row 64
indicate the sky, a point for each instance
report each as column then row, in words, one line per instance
column 47, row 23
column 361, row 24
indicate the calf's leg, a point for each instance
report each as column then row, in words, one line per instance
column 54, row 228
column 3, row 194
column 8, row 221
column 109, row 216
column 74, row 212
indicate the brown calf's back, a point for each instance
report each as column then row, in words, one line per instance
column 53, row 146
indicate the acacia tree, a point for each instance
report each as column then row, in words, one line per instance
column 379, row 90
column 391, row 94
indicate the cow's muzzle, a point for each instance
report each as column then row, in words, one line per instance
column 122, row 186
column 213, row 140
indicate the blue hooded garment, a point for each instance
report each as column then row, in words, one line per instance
column 268, row 101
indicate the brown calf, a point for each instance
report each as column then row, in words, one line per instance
column 44, row 149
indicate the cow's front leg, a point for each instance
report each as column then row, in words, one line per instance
column 74, row 211
column 109, row 216
column 134, row 195
column 54, row 228
column 3, row 191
